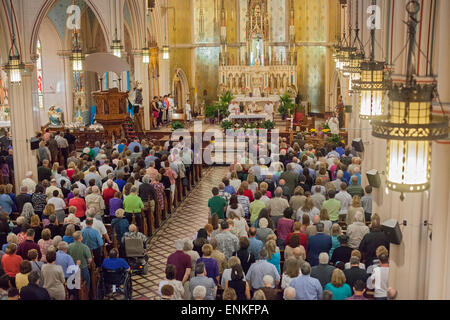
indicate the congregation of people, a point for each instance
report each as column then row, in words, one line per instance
column 294, row 226
column 69, row 215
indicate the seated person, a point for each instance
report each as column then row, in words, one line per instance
column 133, row 233
column 114, row 262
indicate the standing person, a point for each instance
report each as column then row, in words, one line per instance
column 160, row 110
column 63, row 146
column 380, row 278
column 217, row 204
column 338, row 286
column 53, row 277
column 71, row 139
column 155, row 112
column 33, row 291
column 171, row 107
column 188, row 111
column 333, row 206
column 181, row 261
column 82, row 254
column 306, row 287
column 317, row 244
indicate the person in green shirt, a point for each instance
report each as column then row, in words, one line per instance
column 133, row 205
column 355, row 189
column 255, row 207
column 81, row 255
column 333, row 206
column 216, row 204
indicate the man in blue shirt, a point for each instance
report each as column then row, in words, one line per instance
column 306, row 287
column 133, row 144
column 93, row 240
column 317, row 244
column 255, row 244
column 228, row 188
column 115, row 263
column 340, row 149
column 63, row 259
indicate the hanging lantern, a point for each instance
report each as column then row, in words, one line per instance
column 353, row 70
column 410, row 127
column 165, row 51
column 77, row 56
column 371, row 86
column 146, row 55
column 117, row 48
column 15, row 68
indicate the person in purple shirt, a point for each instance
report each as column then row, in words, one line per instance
column 358, row 291
column 27, row 245
column 115, row 204
column 211, row 265
column 306, row 287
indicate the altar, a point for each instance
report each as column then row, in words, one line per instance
column 256, row 117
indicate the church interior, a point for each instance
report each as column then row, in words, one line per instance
column 368, row 76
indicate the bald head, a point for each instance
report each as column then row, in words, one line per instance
column 316, row 219
column 289, row 293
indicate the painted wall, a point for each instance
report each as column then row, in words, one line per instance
column 53, row 70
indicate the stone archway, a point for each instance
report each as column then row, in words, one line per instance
column 180, row 88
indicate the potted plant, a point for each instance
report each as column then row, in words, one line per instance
column 226, row 125
column 177, row 125
column 286, row 106
column 269, row 125
column 211, row 113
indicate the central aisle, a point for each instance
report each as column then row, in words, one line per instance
column 191, row 216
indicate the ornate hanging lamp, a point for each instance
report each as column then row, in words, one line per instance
column 373, row 83
column 410, row 127
column 15, row 66
column 117, row 46
column 77, row 57
column 356, row 57
column 347, row 49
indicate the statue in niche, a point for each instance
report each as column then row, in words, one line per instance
column 55, row 116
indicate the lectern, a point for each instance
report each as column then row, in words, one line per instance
column 111, row 111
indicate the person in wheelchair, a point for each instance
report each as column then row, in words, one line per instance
column 133, row 233
column 115, row 263
column 115, row 277
column 134, row 244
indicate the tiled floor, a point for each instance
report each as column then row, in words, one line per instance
column 190, row 216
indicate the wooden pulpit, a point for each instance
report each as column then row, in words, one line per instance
column 111, row 111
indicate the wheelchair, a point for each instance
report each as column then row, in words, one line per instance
column 113, row 283
column 136, row 256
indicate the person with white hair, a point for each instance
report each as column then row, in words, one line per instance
column 181, row 261
column 95, row 201
column 63, row 259
column 104, row 168
column 64, row 177
column 29, row 182
column 289, row 293
column 110, row 176
column 356, row 231
column 270, row 292
column 323, row 271
column 199, row 293
column 260, row 269
column 339, row 176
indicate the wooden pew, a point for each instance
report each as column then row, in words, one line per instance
column 95, row 275
column 157, row 215
column 180, row 188
column 165, row 212
column 150, row 220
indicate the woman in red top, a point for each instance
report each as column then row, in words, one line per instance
column 70, row 170
column 11, row 262
column 78, row 203
column 247, row 192
column 297, row 231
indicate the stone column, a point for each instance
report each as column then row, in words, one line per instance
column 23, row 126
column 438, row 277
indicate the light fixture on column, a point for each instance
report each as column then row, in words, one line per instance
column 77, row 56
column 165, row 51
column 410, row 126
column 117, row 47
column 14, row 67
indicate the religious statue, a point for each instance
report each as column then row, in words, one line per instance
column 333, row 123
column 55, row 116
column 234, row 108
